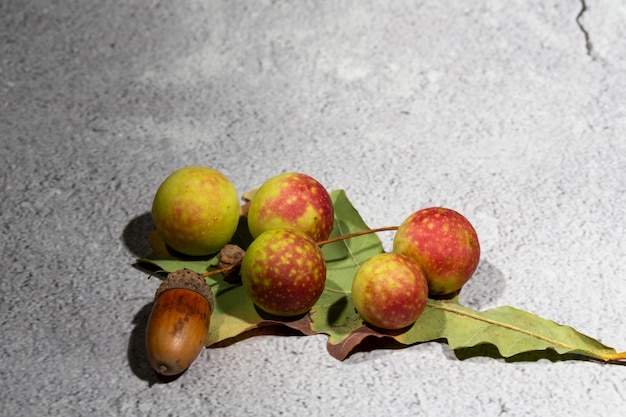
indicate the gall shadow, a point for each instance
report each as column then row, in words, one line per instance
column 336, row 311
column 135, row 235
column 339, row 306
column 484, row 288
column 242, row 237
column 137, row 355
column 282, row 319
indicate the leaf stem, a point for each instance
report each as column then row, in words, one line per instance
column 618, row 357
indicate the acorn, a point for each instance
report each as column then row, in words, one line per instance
column 178, row 325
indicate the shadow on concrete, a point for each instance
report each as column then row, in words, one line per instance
column 484, row 288
column 491, row 351
column 135, row 235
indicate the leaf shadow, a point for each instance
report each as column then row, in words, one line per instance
column 378, row 342
column 488, row 350
column 137, row 354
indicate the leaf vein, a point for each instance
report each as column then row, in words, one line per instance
column 504, row 325
column 345, row 243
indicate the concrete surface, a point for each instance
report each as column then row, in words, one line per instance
column 512, row 113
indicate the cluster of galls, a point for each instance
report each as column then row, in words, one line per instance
column 196, row 211
column 435, row 252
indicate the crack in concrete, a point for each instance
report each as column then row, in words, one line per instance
column 588, row 44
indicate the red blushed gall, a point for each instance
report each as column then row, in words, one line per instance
column 389, row 291
column 444, row 244
column 294, row 201
column 283, row 271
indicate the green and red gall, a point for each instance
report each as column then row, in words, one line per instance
column 295, row 201
column 283, row 272
column 444, row 244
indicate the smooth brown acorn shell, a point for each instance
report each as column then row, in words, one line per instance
column 178, row 325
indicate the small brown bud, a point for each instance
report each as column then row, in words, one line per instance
column 230, row 256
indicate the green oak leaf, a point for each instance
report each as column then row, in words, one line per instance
column 510, row 330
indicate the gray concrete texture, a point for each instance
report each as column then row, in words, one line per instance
column 511, row 113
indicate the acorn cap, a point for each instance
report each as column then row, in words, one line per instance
column 189, row 280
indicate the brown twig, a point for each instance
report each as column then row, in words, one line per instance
column 355, row 234
column 320, row 244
